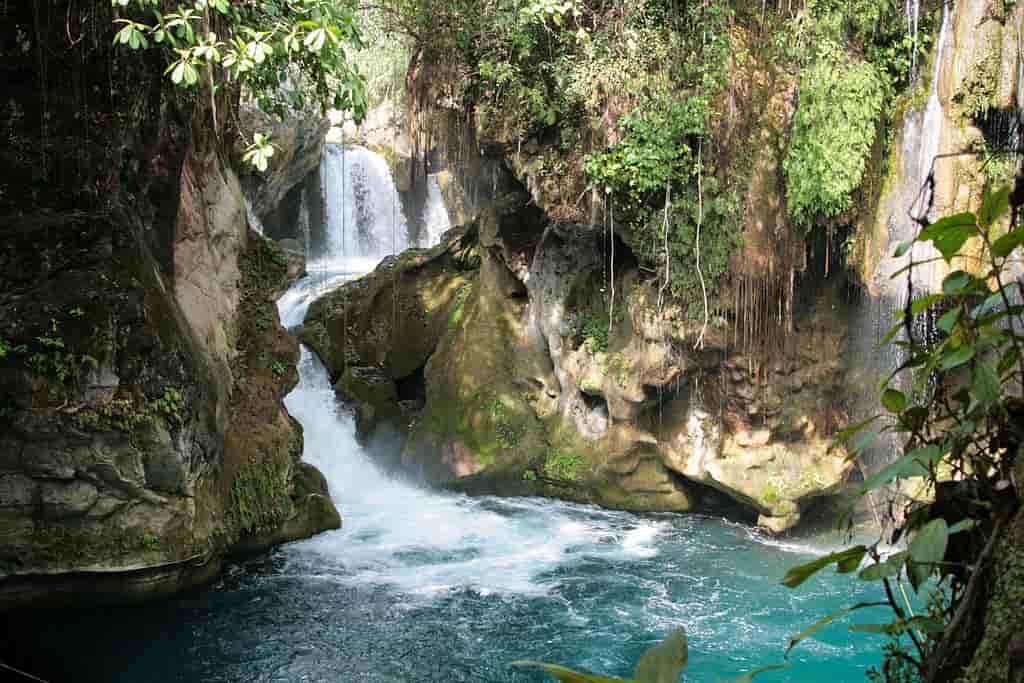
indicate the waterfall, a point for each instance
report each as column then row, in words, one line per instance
column 362, row 208
column 912, row 197
column 435, row 215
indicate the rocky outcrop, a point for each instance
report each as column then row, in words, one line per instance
column 136, row 452
column 298, row 140
column 530, row 386
column 142, row 365
column 959, row 128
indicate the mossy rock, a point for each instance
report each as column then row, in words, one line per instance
column 370, row 386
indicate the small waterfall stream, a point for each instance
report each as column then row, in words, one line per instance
column 883, row 307
column 435, row 215
column 363, row 210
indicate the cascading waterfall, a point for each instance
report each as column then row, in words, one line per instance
column 362, row 208
column 912, row 198
column 436, row 221
column 912, row 9
column 254, row 221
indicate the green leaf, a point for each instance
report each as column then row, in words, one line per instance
column 993, row 206
column 948, row 319
column 927, row 547
column 927, row 624
column 890, row 566
column 567, row 675
column 902, row 248
column 883, row 629
column 914, row 464
column 1005, row 245
column 985, row 385
column 748, row 677
column 894, row 400
column 891, row 334
column 825, row 621
column 797, row 575
column 956, row 358
column 664, row 662
column 963, row 525
column 955, row 282
column 851, row 431
column 950, row 233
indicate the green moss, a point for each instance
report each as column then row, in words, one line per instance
column 1002, row 619
column 562, row 465
column 65, row 546
column 459, row 304
column 594, row 329
column 977, row 92
column 619, row 367
column 259, row 497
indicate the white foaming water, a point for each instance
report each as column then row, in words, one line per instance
column 363, row 210
column 429, row 543
column 436, row 221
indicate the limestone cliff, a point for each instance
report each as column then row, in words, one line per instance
column 142, row 365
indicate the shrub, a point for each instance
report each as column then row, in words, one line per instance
column 839, row 104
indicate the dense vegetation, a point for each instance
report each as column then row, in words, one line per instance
column 632, row 99
column 286, row 54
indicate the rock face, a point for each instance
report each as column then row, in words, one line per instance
column 134, row 448
column 142, row 365
column 505, row 373
column 958, row 129
column 298, row 140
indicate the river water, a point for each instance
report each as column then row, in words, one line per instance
column 426, row 586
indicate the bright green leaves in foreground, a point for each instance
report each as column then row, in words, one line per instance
column 955, row 415
column 259, row 152
column 286, row 53
column 663, row 663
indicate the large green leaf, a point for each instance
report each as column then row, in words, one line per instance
column 950, row 233
column 985, row 386
column 1005, row 245
column 894, row 400
column 797, row 575
column 927, row 547
column 956, row 358
column 664, row 662
column 956, row 282
column 948, row 319
column 825, row 621
column 916, row 463
column 567, row 675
